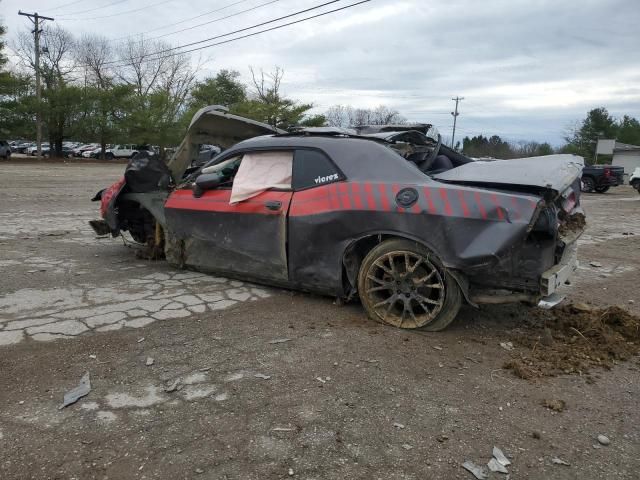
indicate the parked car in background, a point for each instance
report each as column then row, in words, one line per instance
column 67, row 152
column 78, row 151
column 129, row 150
column 5, row 149
column 599, row 178
column 634, row 179
column 206, row 153
column 23, row 147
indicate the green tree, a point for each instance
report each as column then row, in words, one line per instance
column 224, row 89
column 628, row 130
column 598, row 124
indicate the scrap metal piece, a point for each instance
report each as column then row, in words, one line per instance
column 496, row 466
column 550, row 301
column 75, row 394
column 479, row 472
column 501, row 457
column 559, row 461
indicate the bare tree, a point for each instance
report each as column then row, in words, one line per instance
column 347, row 116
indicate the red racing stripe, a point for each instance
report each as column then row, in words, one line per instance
column 478, row 198
column 355, row 195
column 463, row 203
column 343, row 189
column 427, row 195
column 383, row 197
column 371, row 202
column 494, row 198
column 445, row 198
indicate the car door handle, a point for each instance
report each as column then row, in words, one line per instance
column 273, row 204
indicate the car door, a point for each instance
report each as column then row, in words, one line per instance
column 247, row 237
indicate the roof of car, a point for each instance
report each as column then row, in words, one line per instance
column 360, row 158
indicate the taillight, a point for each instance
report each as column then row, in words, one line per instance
column 569, row 203
column 607, row 172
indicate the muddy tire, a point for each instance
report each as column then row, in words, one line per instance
column 587, row 184
column 403, row 284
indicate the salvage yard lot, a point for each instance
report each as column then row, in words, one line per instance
column 276, row 383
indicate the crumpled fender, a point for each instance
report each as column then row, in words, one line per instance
column 108, row 201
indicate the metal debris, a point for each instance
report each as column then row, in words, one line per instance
column 321, row 380
column 262, row 376
column 149, row 361
column 436, row 347
column 283, row 429
column 559, row 461
column 141, row 339
column 496, row 466
column 507, row 346
column 501, row 457
column 479, row 472
column 595, row 264
column 75, row 394
column 279, row 340
column 406, row 446
column 398, row 425
column 603, row 440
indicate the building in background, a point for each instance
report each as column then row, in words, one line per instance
column 624, row 155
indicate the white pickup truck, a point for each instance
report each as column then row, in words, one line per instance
column 126, row 151
column 634, row 179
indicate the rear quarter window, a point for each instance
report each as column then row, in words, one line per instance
column 312, row 168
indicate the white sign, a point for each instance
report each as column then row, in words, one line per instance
column 605, row 147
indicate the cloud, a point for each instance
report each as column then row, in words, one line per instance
column 526, row 69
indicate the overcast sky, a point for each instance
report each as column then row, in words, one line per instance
column 527, row 69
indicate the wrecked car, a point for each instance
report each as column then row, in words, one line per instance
column 387, row 214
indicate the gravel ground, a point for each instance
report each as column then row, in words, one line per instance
column 272, row 383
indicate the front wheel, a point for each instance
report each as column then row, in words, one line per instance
column 403, row 284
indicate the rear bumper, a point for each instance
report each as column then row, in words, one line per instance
column 557, row 275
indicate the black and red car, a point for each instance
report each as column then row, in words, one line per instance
column 388, row 214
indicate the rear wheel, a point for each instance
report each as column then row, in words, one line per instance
column 403, row 284
column 587, row 184
column 108, row 156
column 602, row 189
column 636, row 184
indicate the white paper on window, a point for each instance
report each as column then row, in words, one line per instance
column 260, row 171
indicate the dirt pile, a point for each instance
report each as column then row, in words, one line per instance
column 574, row 223
column 574, row 338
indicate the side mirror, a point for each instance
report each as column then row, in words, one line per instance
column 206, row 181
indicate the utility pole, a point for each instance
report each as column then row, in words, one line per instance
column 36, row 19
column 455, row 118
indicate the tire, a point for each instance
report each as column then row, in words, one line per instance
column 108, row 156
column 636, row 185
column 587, row 184
column 406, row 267
column 602, row 189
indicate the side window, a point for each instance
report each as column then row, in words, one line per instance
column 261, row 171
column 312, row 168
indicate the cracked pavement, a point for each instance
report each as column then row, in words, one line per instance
column 269, row 381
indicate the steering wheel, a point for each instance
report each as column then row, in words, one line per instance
column 428, row 162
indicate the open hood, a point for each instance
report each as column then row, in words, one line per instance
column 553, row 171
column 213, row 125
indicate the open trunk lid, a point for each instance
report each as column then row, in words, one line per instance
column 556, row 172
column 214, row 125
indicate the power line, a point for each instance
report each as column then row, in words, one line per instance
column 67, row 5
column 215, row 20
column 184, row 21
column 96, row 8
column 126, row 12
column 160, row 52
